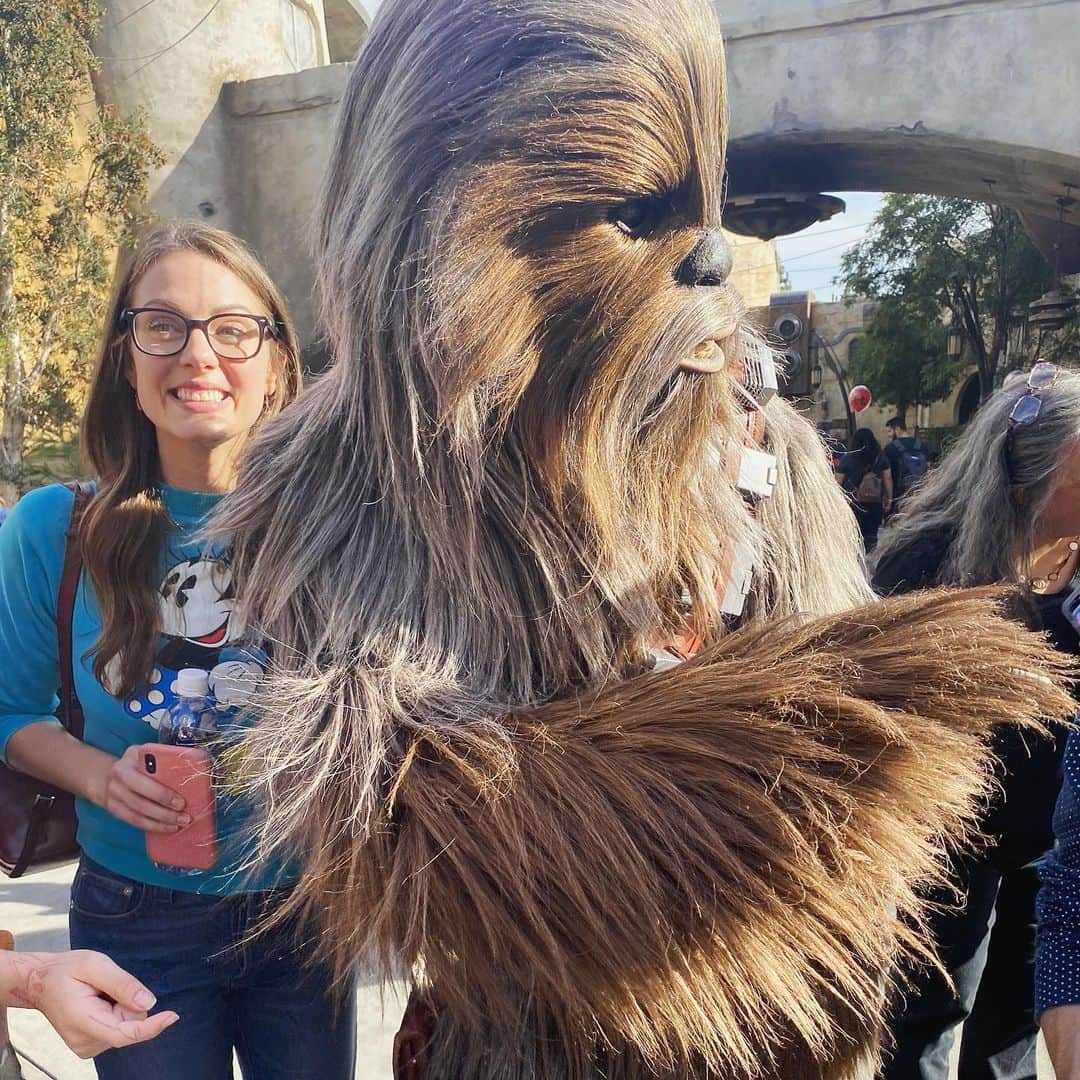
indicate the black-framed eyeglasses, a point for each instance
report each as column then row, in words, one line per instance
column 1029, row 405
column 161, row 332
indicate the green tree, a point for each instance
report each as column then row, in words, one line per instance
column 902, row 355
column 72, row 177
column 930, row 261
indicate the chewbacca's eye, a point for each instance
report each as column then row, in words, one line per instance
column 638, row 217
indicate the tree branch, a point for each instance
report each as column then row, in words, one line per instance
column 48, row 342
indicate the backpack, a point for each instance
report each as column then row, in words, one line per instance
column 912, row 459
column 870, row 488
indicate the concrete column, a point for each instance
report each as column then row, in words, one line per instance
column 171, row 58
column 282, row 128
column 347, row 24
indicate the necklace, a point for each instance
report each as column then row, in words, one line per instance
column 1055, row 571
column 168, row 513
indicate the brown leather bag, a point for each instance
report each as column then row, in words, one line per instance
column 413, row 1040
column 37, row 820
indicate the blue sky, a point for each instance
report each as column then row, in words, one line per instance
column 812, row 257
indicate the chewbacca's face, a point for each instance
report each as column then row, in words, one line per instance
column 521, row 251
column 589, row 276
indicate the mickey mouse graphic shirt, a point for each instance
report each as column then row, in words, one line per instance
column 199, row 630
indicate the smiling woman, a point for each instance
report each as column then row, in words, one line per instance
column 173, row 402
column 198, row 351
column 202, row 382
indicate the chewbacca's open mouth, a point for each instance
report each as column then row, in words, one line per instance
column 709, row 356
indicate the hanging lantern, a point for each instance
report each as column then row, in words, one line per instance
column 1052, row 311
column 1055, row 308
column 954, row 343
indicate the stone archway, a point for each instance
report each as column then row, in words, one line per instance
column 958, row 97
column 967, row 401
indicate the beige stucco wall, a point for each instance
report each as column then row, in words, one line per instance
column 283, row 128
column 347, row 23
column 171, row 59
column 756, row 269
column 843, row 324
column 836, row 323
column 840, row 324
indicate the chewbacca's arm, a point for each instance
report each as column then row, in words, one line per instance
column 698, row 860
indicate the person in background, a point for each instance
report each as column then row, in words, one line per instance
column 1003, row 507
column 1057, row 953
column 866, row 477
column 93, row 1004
column 908, row 457
column 834, row 447
column 198, row 353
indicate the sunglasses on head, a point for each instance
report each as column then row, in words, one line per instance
column 1029, row 405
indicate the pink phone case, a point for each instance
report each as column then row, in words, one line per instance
column 187, row 770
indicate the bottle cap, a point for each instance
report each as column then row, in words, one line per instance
column 193, row 682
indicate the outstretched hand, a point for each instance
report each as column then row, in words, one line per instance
column 93, row 1004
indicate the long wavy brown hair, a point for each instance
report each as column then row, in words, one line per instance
column 124, row 527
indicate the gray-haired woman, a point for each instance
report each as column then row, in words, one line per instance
column 1004, row 506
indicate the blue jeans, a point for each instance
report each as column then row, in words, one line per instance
column 264, row 998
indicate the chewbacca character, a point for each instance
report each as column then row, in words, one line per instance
column 581, row 710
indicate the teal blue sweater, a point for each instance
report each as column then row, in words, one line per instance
column 198, row 631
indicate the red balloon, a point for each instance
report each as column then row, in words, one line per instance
column 859, row 398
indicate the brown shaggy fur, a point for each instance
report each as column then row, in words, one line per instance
column 462, row 538
column 698, row 865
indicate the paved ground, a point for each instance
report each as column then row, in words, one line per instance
column 35, row 910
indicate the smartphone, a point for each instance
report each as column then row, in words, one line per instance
column 187, row 770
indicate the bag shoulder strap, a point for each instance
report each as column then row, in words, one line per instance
column 71, row 714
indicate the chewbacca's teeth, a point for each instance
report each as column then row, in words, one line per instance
column 707, row 359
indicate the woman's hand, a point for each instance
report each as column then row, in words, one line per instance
column 47, row 751
column 132, row 796
column 93, row 1004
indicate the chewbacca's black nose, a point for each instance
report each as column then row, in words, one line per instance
column 709, row 263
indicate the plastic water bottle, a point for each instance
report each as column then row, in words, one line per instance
column 192, row 720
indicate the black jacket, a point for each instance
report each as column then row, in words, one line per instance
column 915, row 566
column 1029, row 765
